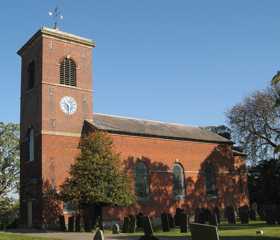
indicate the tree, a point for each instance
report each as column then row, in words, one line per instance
column 9, row 158
column 221, row 130
column 97, row 177
column 255, row 125
column 263, row 182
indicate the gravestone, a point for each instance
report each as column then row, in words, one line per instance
column 62, row 226
column 125, row 228
column 148, row 230
column 139, row 220
column 115, row 228
column 184, row 222
column 218, row 215
column 244, row 214
column 165, row 222
column 270, row 214
column 170, row 220
column 213, row 219
column 98, row 235
column 132, row 224
column 199, row 216
column 71, row 224
column 78, row 223
column 253, row 214
column 177, row 216
column 230, row 215
column 203, row 232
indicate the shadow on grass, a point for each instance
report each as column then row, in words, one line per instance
column 246, row 226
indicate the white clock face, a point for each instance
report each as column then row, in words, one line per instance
column 68, row 105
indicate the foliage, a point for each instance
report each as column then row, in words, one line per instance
column 97, row 176
column 9, row 211
column 51, row 205
column 263, row 182
column 221, row 130
column 9, row 158
column 255, row 124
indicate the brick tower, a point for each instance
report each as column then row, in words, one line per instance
column 56, row 98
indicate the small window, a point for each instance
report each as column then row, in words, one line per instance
column 178, row 181
column 31, row 75
column 141, row 180
column 68, row 72
column 31, row 144
column 210, row 180
column 68, row 207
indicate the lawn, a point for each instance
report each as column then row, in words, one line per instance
column 227, row 232
column 13, row 236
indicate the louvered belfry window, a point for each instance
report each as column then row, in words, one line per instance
column 68, row 72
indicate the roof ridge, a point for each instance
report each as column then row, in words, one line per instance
column 147, row 120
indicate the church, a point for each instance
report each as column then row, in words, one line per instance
column 173, row 165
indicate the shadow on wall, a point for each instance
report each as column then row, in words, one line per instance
column 161, row 198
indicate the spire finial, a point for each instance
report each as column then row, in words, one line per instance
column 56, row 14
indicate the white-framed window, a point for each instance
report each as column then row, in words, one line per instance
column 141, row 180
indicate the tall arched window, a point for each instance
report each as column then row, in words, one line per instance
column 178, row 180
column 141, row 180
column 210, row 180
column 31, row 75
column 68, row 72
column 31, row 145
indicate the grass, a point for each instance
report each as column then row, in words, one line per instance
column 230, row 232
column 227, row 232
column 13, row 236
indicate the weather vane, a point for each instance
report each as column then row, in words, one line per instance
column 56, row 16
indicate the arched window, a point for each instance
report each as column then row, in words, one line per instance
column 31, row 145
column 178, row 180
column 68, row 72
column 141, row 180
column 210, row 180
column 31, row 75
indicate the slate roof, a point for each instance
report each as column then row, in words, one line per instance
column 141, row 127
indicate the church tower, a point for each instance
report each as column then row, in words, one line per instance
column 56, row 98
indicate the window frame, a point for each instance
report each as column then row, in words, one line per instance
column 68, row 72
column 144, row 183
column 180, row 193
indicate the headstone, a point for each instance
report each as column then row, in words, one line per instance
column 184, row 222
column 199, row 216
column 125, row 228
column 147, row 226
column 139, row 220
column 170, row 220
column 71, row 224
column 218, row 215
column 230, row 215
column 62, row 226
column 78, row 223
column 148, row 230
column 132, row 224
column 213, row 219
column 244, row 214
column 177, row 216
column 98, row 235
column 203, row 231
column 165, row 222
column 206, row 214
column 253, row 214
column 270, row 214
column 115, row 228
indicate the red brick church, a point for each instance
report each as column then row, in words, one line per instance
column 173, row 165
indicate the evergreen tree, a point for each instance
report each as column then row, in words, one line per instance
column 97, row 177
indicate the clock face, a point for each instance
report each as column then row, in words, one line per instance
column 68, row 105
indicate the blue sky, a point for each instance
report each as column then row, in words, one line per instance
column 176, row 61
